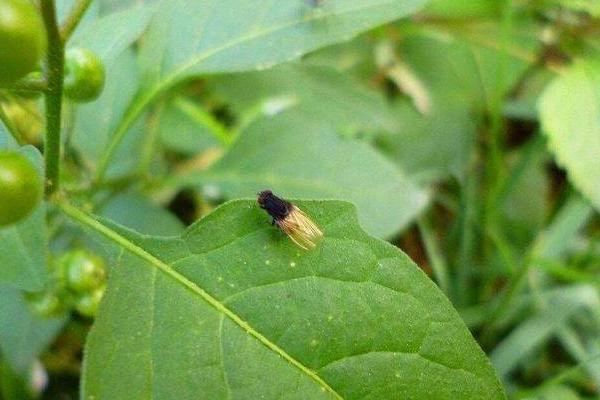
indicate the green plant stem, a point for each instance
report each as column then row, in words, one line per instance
column 53, row 98
column 30, row 85
column 73, row 19
column 131, row 115
column 494, row 174
column 197, row 114
column 434, row 254
column 12, row 129
column 469, row 210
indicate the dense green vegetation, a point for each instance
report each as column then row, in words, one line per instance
column 449, row 151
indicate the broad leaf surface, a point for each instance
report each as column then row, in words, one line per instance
column 233, row 309
column 322, row 92
column 23, row 257
column 298, row 157
column 191, row 38
column 23, row 335
column 109, row 36
column 570, row 116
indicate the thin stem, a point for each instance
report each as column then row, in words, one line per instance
column 131, row 115
column 434, row 253
column 469, row 210
column 55, row 71
column 30, row 85
column 10, row 126
column 73, row 19
column 197, row 114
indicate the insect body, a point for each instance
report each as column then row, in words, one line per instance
column 290, row 219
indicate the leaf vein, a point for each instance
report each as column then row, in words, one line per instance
column 134, row 249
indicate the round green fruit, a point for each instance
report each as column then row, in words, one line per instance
column 20, row 187
column 84, row 75
column 85, row 271
column 87, row 304
column 22, row 39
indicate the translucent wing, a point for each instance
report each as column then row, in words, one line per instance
column 300, row 228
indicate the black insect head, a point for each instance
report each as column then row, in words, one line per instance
column 277, row 208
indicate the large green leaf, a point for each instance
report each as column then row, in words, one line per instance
column 23, row 244
column 23, row 335
column 109, row 36
column 570, row 116
column 299, row 157
column 189, row 38
column 233, row 309
column 322, row 92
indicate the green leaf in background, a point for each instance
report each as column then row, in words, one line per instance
column 433, row 146
column 94, row 121
column 23, row 335
column 23, row 255
column 474, row 66
column 558, row 307
column 589, row 6
column 190, row 38
column 233, row 309
column 110, row 37
column 463, row 8
column 570, row 117
column 321, row 92
column 297, row 157
column 185, row 127
column 137, row 212
column 460, row 71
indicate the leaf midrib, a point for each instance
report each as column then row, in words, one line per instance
column 110, row 234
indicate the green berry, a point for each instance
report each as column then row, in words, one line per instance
column 84, row 75
column 20, row 187
column 85, row 271
column 22, row 39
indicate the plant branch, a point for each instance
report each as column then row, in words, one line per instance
column 73, row 19
column 29, row 85
column 54, row 76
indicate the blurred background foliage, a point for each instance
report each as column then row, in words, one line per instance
column 467, row 134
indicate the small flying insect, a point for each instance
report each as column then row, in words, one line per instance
column 290, row 219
